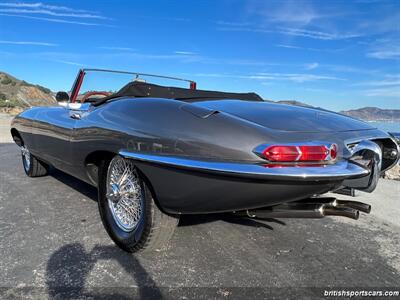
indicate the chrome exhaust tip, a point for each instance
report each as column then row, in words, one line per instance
column 313, row 208
column 341, row 211
column 365, row 208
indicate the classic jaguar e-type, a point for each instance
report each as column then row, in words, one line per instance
column 156, row 152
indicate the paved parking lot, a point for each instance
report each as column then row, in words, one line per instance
column 52, row 243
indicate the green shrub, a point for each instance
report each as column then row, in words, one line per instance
column 43, row 89
column 9, row 103
column 3, row 96
column 6, row 80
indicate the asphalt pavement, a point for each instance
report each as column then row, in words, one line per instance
column 52, row 244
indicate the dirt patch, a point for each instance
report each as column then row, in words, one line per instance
column 393, row 173
column 13, row 111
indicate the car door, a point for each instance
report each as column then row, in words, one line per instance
column 53, row 132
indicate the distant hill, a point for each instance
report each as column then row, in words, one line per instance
column 373, row 114
column 365, row 113
column 19, row 93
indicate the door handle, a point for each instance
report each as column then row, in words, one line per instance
column 75, row 116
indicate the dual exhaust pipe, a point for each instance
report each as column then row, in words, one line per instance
column 313, row 208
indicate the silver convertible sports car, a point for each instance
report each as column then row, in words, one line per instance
column 155, row 152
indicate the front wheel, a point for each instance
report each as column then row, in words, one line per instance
column 32, row 166
column 128, row 210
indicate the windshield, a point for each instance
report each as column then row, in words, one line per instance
column 92, row 84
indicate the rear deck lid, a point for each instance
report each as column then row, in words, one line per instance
column 286, row 117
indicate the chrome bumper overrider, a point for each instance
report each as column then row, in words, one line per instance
column 369, row 155
column 339, row 171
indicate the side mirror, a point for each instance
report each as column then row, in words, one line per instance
column 62, row 96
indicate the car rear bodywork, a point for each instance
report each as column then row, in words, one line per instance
column 201, row 157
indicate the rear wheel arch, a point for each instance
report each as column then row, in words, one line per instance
column 93, row 163
column 149, row 185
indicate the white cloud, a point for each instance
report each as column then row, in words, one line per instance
column 312, row 66
column 289, row 46
column 39, row 5
column 32, row 5
column 56, row 20
column 185, row 52
column 391, row 92
column 297, row 77
column 50, row 13
column 387, row 23
column 294, row 12
column 389, row 80
column 309, row 48
column 296, row 18
column 28, row 43
column 27, row 10
column 307, row 20
column 385, row 53
column 312, row 34
column 349, row 69
column 294, row 77
column 291, row 12
column 66, row 62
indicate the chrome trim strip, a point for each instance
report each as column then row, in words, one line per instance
column 135, row 73
column 338, row 171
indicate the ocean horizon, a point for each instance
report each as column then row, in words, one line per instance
column 386, row 126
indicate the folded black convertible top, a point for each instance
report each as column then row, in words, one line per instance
column 142, row 89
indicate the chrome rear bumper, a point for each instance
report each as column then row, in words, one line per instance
column 184, row 185
column 339, row 171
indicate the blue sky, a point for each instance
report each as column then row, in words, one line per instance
column 333, row 54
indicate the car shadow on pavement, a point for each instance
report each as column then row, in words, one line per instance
column 69, row 267
column 80, row 186
column 191, row 220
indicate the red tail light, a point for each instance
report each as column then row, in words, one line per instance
column 313, row 153
column 333, row 151
column 300, row 153
column 282, row 153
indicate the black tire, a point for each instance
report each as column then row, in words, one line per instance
column 154, row 229
column 32, row 166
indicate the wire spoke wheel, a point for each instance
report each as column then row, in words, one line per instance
column 128, row 208
column 124, row 193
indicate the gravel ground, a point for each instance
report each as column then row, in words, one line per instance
column 53, row 244
column 5, row 121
